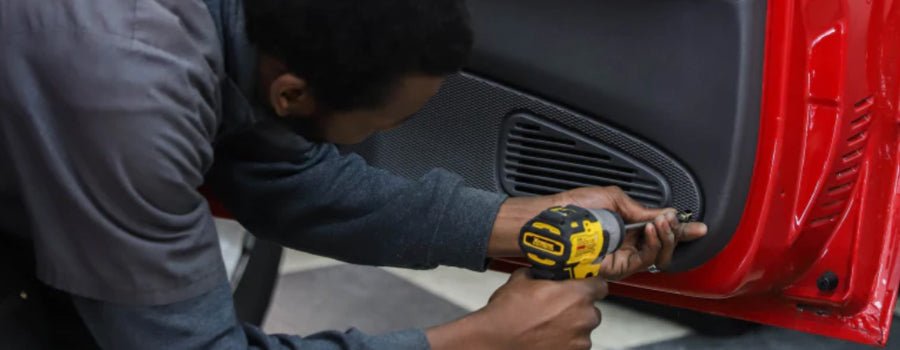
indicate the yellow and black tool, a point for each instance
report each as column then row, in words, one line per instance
column 569, row 242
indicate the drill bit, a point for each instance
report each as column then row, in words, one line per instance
column 637, row 226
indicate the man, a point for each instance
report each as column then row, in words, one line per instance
column 115, row 112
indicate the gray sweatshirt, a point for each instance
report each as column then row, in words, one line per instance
column 113, row 113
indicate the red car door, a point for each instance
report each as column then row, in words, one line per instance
column 776, row 122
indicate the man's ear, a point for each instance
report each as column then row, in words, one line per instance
column 289, row 96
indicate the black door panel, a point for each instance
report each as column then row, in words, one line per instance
column 672, row 85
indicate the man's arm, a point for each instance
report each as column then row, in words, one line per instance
column 309, row 197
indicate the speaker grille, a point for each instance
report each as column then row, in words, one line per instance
column 538, row 157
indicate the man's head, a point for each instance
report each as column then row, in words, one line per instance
column 343, row 69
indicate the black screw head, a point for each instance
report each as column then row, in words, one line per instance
column 827, row 282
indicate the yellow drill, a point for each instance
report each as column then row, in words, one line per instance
column 569, row 242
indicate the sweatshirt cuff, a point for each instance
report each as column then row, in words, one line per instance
column 461, row 239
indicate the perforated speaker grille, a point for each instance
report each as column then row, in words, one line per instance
column 538, row 158
column 460, row 128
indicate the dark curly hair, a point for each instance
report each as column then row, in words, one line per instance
column 352, row 52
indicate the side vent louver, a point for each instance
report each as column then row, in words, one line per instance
column 839, row 185
column 539, row 158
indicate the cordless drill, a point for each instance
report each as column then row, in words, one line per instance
column 569, row 242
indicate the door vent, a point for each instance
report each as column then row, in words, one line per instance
column 538, row 157
column 839, row 185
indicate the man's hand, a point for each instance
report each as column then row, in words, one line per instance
column 654, row 246
column 658, row 241
column 528, row 314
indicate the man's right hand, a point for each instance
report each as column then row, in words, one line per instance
column 528, row 314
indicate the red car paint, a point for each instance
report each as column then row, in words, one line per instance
column 825, row 194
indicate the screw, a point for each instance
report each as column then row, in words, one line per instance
column 685, row 216
column 827, row 282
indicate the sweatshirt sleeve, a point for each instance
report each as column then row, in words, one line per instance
column 208, row 321
column 310, row 197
